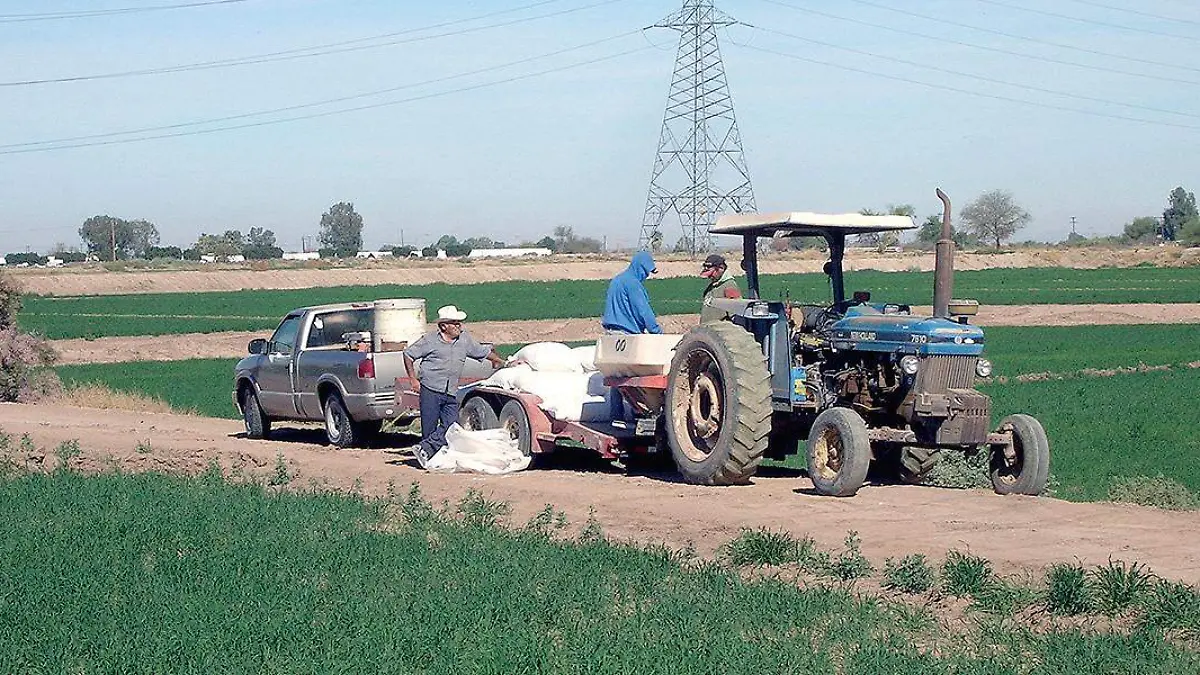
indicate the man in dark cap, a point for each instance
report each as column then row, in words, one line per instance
column 721, row 284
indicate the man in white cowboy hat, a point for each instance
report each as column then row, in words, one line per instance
column 442, row 353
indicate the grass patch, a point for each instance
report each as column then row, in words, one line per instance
column 1160, row 492
column 158, row 314
column 965, row 575
column 1067, row 590
column 911, row 574
column 146, row 573
column 200, row 386
column 1021, row 350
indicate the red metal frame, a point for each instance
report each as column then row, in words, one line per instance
column 546, row 430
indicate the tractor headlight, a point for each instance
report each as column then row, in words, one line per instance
column 909, row 364
column 983, row 368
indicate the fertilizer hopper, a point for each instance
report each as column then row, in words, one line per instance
column 637, row 367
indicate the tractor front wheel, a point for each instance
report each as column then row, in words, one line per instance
column 1023, row 467
column 839, row 452
column 718, row 405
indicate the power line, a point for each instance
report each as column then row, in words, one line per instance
column 1024, row 38
column 981, row 78
column 329, row 113
column 315, row 104
column 958, row 90
column 55, row 16
column 325, row 49
column 1093, row 22
column 971, row 45
column 1137, row 12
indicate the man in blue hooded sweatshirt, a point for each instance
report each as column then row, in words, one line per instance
column 627, row 305
column 627, row 310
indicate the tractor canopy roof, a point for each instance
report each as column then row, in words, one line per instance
column 807, row 224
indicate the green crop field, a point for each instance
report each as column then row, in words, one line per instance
column 164, row 314
column 150, row 574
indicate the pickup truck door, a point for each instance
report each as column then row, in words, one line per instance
column 276, row 376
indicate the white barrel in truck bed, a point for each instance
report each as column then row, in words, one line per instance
column 635, row 355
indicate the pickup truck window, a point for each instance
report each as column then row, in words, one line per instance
column 328, row 328
column 284, row 339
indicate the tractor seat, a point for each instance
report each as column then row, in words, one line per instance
column 812, row 317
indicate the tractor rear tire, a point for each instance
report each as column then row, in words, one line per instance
column 718, row 405
column 514, row 418
column 477, row 414
column 1031, row 470
column 839, row 452
column 915, row 464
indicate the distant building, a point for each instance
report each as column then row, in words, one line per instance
column 307, row 255
column 508, row 252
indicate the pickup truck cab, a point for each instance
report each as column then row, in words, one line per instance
column 320, row 366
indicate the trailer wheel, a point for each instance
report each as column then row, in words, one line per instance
column 839, row 452
column 1028, row 471
column 339, row 428
column 718, row 405
column 514, row 418
column 258, row 425
column 478, row 414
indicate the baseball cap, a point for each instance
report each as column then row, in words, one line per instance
column 714, row 261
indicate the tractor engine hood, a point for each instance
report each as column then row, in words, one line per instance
column 865, row 328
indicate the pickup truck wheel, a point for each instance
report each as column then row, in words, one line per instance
column 258, row 425
column 339, row 428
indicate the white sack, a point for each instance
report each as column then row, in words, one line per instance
column 489, row 451
column 573, row 397
column 587, row 358
column 547, row 357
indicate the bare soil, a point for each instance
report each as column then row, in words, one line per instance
column 95, row 280
column 231, row 345
column 1019, row 534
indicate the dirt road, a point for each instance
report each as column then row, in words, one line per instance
column 76, row 281
column 232, row 345
column 1016, row 533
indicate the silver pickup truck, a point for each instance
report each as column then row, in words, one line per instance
column 321, row 365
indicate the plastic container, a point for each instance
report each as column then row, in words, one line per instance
column 398, row 322
column 635, row 355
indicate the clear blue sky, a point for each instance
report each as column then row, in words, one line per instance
column 575, row 147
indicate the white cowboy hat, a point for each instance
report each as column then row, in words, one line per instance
column 451, row 313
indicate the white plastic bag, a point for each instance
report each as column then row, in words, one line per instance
column 587, row 358
column 488, row 451
column 548, row 357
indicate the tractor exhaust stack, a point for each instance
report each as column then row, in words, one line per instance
column 943, row 275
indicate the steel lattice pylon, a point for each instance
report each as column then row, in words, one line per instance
column 700, row 171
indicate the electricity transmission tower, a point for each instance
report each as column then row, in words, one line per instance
column 700, row 171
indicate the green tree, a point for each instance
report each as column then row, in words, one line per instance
column 546, row 242
column 994, row 216
column 260, row 245
column 1143, row 229
column 882, row 240
column 476, row 243
column 931, row 230
column 220, row 246
column 110, row 238
column 172, row 252
column 1190, row 232
column 1181, row 208
column 341, row 229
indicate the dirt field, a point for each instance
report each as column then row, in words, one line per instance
column 99, row 282
column 231, row 345
column 1016, row 533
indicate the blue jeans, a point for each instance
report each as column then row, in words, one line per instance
column 438, row 412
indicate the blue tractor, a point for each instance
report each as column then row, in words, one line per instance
column 858, row 383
